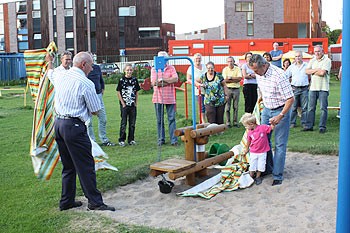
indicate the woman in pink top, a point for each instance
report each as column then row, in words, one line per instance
column 258, row 145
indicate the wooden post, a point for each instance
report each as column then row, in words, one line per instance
column 189, row 154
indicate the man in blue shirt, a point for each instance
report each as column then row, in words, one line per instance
column 276, row 55
column 96, row 77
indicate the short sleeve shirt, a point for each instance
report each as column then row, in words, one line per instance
column 258, row 139
column 319, row 83
column 214, row 94
column 234, row 72
column 128, row 88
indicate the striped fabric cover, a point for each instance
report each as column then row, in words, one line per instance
column 43, row 147
column 231, row 173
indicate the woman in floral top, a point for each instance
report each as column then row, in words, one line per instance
column 214, row 94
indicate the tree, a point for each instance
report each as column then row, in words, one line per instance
column 332, row 35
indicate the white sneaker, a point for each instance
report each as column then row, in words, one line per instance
column 132, row 143
column 121, row 143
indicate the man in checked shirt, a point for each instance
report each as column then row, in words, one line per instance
column 277, row 94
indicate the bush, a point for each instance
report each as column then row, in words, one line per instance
column 113, row 78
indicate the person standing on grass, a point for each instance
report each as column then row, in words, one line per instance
column 164, row 95
column 300, row 85
column 199, row 70
column 278, row 98
column 75, row 101
column 276, row 55
column 127, row 91
column 232, row 75
column 96, row 77
column 319, row 68
column 257, row 144
column 250, row 85
column 215, row 94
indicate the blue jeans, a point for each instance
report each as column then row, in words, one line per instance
column 170, row 109
column 301, row 99
column 281, row 140
column 323, row 97
column 102, row 121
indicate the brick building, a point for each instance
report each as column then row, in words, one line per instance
column 108, row 27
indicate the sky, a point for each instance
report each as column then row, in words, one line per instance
column 210, row 13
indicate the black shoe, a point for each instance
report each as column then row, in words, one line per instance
column 307, row 129
column 322, row 130
column 258, row 180
column 101, row 207
column 70, row 206
column 276, row 182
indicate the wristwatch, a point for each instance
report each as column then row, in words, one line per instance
column 281, row 114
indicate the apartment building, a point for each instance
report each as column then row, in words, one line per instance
column 273, row 19
column 108, row 27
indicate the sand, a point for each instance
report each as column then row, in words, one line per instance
column 305, row 202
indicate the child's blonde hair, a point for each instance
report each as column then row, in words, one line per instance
column 248, row 119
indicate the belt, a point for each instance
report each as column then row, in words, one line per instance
column 233, row 87
column 277, row 107
column 67, row 117
column 300, row 86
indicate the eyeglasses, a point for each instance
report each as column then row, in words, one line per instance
column 210, row 68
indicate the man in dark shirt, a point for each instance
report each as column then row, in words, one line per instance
column 96, row 77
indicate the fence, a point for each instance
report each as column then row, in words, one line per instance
column 12, row 67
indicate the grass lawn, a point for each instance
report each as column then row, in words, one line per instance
column 31, row 205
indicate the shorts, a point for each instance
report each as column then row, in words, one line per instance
column 257, row 161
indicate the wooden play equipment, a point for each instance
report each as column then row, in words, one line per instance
column 196, row 161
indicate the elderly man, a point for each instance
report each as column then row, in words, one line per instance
column 164, row 95
column 232, row 75
column 278, row 97
column 300, row 85
column 75, row 101
column 319, row 68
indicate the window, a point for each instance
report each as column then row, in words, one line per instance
column 244, row 6
column 36, row 14
column 127, row 11
column 181, row 50
column 68, row 4
column 68, row 12
column 22, row 42
column 37, row 41
column 22, row 27
column 21, row 7
column 2, row 42
column 149, row 32
column 69, row 41
column 248, row 8
column 92, row 5
column 36, row 4
column 198, row 46
column 302, row 30
column 301, row 47
column 221, row 49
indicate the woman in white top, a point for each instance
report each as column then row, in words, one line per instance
column 199, row 70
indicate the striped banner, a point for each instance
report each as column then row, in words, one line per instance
column 43, row 147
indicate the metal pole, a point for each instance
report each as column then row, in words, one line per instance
column 159, row 63
column 343, row 207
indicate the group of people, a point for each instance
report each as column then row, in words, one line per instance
column 79, row 95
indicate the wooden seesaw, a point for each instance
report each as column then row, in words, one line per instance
column 189, row 167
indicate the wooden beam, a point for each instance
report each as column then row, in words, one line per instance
column 201, row 165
